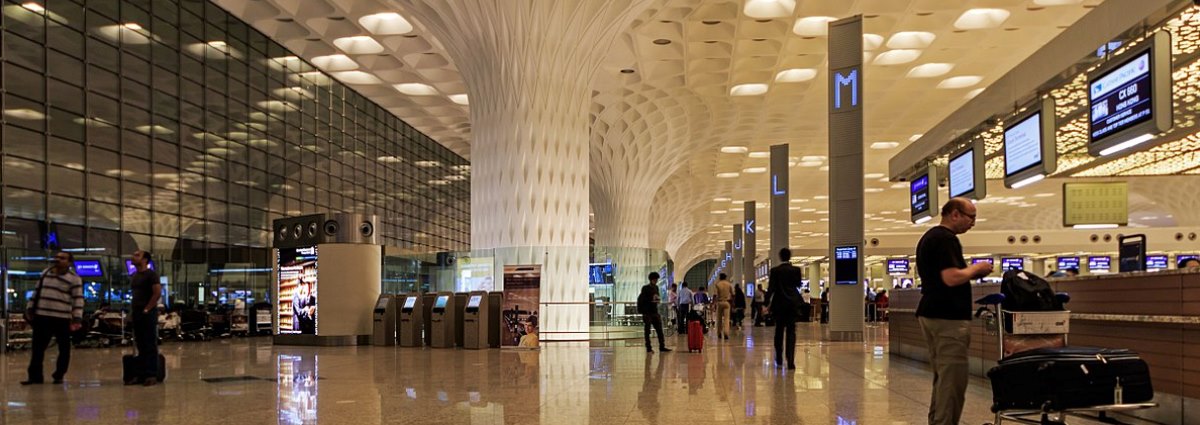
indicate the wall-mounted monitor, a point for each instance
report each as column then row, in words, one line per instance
column 1068, row 263
column 1012, row 263
column 1030, row 152
column 897, row 266
column 1129, row 98
column 1131, row 252
column 1180, row 258
column 600, row 274
column 966, row 173
column 845, row 264
column 922, row 195
column 89, row 268
column 1156, row 262
column 1101, row 264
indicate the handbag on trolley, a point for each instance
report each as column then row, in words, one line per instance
column 1058, row 378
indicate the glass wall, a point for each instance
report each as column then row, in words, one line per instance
column 173, row 127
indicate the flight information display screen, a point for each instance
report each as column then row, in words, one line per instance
column 919, row 190
column 897, row 265
column 1068, row 263
column 1023, row 145
column 1121, row 98
column 962, row 173
column 1156, row 262
column 845, row 263
column 1012, row 263
column 1099, row 264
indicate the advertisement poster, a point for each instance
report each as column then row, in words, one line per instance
column 298, row 290
column 474, row 274
column 522, row 291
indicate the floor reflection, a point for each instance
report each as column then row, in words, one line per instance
column 296, row 386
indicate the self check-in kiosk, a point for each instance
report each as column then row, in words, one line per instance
column 384, row 321
column 412, row 320
column 445, row 320
column 460, row 303
column 476, row 320
column 427, row 300
column 497, row 300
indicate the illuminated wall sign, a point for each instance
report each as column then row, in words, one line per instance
column 1095, row 204
column 775, row 190
column 1030, row 152
column 923, row 195
column 1129, row 98
column 846, row 88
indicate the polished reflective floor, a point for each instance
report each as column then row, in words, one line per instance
column 249, row 381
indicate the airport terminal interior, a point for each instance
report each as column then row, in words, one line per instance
column 475, row 211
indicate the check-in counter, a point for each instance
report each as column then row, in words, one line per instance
column 1156, row 314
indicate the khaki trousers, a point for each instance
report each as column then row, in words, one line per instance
column 947, row 341
column 722, row 319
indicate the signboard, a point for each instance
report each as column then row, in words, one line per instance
column 1156, row 262
column 1095, row 204
column 922, row 200
column 897, row 266
column 297, row 290
column 1129, row 98
column 988, row 260
column 1012, row 263
column 1099, row 264
column 1030, row 152
column 845, row 264
column 89, row 268
column 1068, row 263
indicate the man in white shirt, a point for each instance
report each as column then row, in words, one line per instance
column 54, row 311
column 685, row 304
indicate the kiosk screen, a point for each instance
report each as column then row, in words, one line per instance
column 473, row 303
column 440, row 303
column 409, row 303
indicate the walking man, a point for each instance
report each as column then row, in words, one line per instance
column 784, row 281
column 724, row 293
column 685, row 306
column 944, row 311
column 147, row 290
column 647, row 305
column 54, row 311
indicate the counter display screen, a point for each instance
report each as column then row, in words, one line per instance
column 1068, row 263
column 410, row 302
column 381, row 304
column 88, row 268
column 473, row 302
column 962, row 173
column 1120, row 98
column 1011, row 263
column 897, row 265
column 846, row 264
column 1023, row 145
column 1156, row 262
column 440, row 303
column 919, row 194
column 1099, row 264
column 988, row 260
column 1179, row 258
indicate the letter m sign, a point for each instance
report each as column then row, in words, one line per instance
column 845, row 88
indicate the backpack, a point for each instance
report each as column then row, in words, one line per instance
column 1025, row 291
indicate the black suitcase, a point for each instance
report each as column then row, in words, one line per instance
column 1059, row 378
column 127, row 362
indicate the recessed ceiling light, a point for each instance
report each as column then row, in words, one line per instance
column 460, row 99
column 416, row 89
column 813, row 158
column 755, row 170
column 387, row 23
column 719, row 211
column 823, row 168
column 760, row 9
column 1043, row 195
column 358, row 45
column 900, row 185
column 911, row 40
column 872, row 41
column 810, row 163
column 897, row 57
column 976, row 19
column 734, row 149
column 799, row 200
column 872, row 190
column 885, row 145
column 872, row 175
column 389, row 159
column 737, row 209
column 959, row 82
column 821, row 197
column 813, row 26
column 750, row 89
column 356, row 77
column 721, row 199
column 333, row 63
column 929, row 70
column 760, row 154
column 971, row 94
column 795, row 75
column 727, row 175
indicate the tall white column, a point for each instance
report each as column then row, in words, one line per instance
column 528, row 68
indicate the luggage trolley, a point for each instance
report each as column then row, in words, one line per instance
column 1019, row 331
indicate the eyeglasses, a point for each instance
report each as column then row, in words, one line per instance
column 964, row 214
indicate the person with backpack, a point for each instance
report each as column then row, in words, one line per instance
column 944, row 311
column 647, row 305
column 54, row 311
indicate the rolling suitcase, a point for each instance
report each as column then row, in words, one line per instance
column 128, row 368
column 1060, row 378
column 695, row 336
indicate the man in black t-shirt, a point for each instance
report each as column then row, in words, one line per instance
column 647, row 305
column 147, row 290
column 945, row 308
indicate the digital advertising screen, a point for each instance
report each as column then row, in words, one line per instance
column 846, row 264
column 474, row 274
column 919, row 195
column 410, row 302
column 1068, row 263
column 1012, row 263
column 1099, row 264
column 1023, row 145
column 1156, row 262
column 1121, row 98
column 440, row 302
column 89, row 268
column 600, row 274
column 297, row 290
column 474, row 301
column 897, row 266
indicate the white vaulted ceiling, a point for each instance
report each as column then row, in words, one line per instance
column 664, row 103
